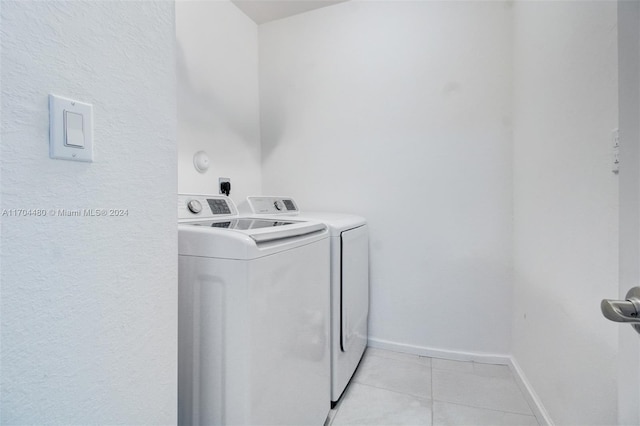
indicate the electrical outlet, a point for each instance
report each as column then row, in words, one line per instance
column 224, row 185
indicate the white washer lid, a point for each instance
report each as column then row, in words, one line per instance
column 204, row 240
column 337, row 222
column 280, row 206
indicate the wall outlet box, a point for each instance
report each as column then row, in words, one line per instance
column 224, row 185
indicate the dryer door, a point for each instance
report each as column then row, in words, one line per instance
column 354, row 288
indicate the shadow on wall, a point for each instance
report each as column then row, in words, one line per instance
column 275, row 118
column 201, row 109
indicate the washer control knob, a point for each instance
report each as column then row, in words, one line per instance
column 278, row 205
column 194, row 206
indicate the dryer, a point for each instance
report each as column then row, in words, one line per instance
column 349, row 236
column 253, row 317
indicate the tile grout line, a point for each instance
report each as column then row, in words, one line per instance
column 483, row 408
column 431, row 394
column 433, row 406
column 339, row 405
column 474, row 373
column 400, row 359
column 395, row 391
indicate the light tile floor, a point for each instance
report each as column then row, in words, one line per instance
column 391, row 388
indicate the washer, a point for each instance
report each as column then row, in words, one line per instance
column 253, row 317
column 349, row 283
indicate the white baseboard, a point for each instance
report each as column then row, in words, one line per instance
column 486, row 358
column 532, row 397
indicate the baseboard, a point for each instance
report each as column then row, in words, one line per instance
column 486, row 358
column 530, row 395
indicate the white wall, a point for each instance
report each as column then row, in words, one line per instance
column 566, row 206
column 629, row 105
column 88, row 304
column 401, row 112
column 218, row 108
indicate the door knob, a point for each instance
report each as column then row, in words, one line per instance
column 624, row 310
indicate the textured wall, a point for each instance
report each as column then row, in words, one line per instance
column 400, row 112
column 217, row 63
column 566, row 206
column 89, row 304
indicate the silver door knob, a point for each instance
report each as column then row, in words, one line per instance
column 624, row 310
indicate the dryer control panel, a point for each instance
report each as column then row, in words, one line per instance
column 272, row 205
column 203, row 207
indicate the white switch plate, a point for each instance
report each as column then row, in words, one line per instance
column 58, row 147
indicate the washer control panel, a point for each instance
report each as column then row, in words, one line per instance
column 272, row 205
column 202, row 207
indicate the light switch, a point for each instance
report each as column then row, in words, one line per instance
column 73, row 133
column 70, row 129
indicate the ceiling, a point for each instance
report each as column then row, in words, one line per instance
column 262, row 11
